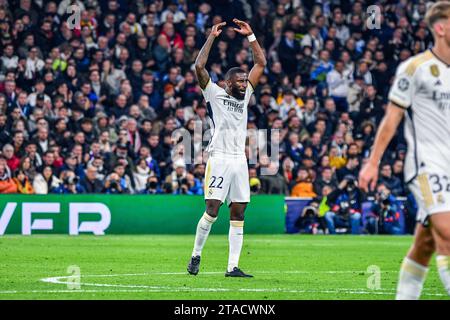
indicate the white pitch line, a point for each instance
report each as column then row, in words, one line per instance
column 72, row 291
column 147, row 288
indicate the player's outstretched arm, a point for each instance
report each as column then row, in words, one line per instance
column 202, row 58
column 258, row 54
column 369, row 173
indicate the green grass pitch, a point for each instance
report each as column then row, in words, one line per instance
column 154, row 267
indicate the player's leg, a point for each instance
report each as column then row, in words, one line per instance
column 204, row 225
column 440, row 228
column 237, row 199
column 201, row 235
column 236, row 234
column 415, row 265
column 217, row 184
column 236, row 240
column 216, row 189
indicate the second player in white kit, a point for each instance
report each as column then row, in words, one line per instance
column 422, row 88
column 421, row 95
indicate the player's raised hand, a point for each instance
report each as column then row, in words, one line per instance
column 244, row 27
column 368, row 177
column 217, row 29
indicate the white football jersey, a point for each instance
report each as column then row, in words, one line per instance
column 422, row 87
column 228, row 120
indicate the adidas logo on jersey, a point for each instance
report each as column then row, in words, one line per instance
column 438, row 83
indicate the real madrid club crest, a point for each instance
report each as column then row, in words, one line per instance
column 434, row 69
column 440, row 198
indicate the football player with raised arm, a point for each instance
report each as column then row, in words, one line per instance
column 226, row 175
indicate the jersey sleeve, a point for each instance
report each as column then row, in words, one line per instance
column 210, row 90
column 250, row 87
column 401, row 92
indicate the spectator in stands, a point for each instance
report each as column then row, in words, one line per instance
column 308, row 221
column 152, row 186
column 254, row 181
column 294, row 148
column 177, row 175
column 273, row 183
column 70, row 184
column 195, row 186
column 71, row 164
column 393, row 183
column 289, row 51
column 385, row 213
column 326, row 179
column 303, row 187
column 26, row 164
column 90, row 183
column 336, row 158
column 125, row 179
column 23, row 183
column 7, row 184
column 288, row 103
column 141, row 175
column 113, row 184
column 310, row 113
column 350, row 168
column 288, row 170
column 338, row 84
column 372, row 106
column 12, row 160
column 355, row 97
column 45, row 182
column 397, row 170
column 345, row 207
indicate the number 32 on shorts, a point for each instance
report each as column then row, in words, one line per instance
column 216, row 182
column 439, row 183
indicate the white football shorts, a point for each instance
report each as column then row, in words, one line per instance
column 226, row 178
column 432, row 194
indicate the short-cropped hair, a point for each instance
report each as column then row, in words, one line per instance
column 233, row 71
column 438, row 11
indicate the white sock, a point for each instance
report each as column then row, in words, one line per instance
column 444, row 270
column 410, row 283
column 203, row 228
column 235, row 239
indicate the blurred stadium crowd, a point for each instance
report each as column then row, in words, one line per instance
column 92, row 109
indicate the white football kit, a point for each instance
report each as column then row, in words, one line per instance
column 422, row 87
column 226, row 175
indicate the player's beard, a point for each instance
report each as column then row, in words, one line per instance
column 236, row 93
